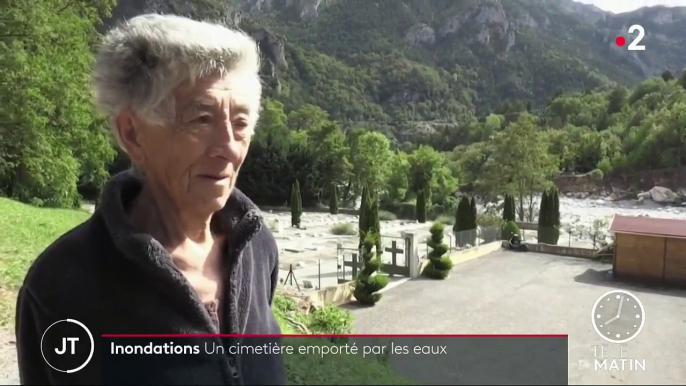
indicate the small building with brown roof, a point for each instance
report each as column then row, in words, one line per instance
column 650, row 249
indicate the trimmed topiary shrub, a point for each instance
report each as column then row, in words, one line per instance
column 367, row 283
column 509, row 230
column 439, row 265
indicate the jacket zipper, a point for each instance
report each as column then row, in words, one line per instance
column 226, row 324
column 232, row 367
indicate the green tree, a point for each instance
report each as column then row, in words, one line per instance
column 398, row 183
column 371, row 156
column 367, row 285
column 296, row 205
column 272, row 127
column 671, row 125
column 616, row 100
column 667, row 76
column 521, row 165
column 440, row 264
column 52, row 140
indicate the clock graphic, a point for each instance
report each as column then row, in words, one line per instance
column 618, row 316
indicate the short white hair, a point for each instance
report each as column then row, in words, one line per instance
column 141, row 62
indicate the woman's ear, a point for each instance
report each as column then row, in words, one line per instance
column 128, row 129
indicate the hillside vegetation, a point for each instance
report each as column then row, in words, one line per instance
column 399, row 95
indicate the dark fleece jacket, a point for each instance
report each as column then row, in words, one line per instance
column 117, row 280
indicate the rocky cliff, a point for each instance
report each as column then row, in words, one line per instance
column 396, row 61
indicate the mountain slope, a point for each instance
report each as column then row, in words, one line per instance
column 396, row 61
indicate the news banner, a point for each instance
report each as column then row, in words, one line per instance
column 369, row 359
column 417, row 359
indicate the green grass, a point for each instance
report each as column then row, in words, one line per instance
column 26, row 232
column 312, row 369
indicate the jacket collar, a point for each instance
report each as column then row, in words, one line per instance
column 240, row 219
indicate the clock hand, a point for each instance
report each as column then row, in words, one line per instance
column 619, row 310
column 611, row 320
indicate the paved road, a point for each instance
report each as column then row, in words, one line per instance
column 515, row 293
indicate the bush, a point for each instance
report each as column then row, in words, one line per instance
column 509, row 230
column 605, row 165
column 597, row 175
column 343, row 229
column 388, row 216
column 489, row 220
column 330, row 320
column 367, row 285
column 439, row 265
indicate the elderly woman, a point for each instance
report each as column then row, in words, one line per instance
column 173, row 247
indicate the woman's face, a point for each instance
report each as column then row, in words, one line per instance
column 195, row 161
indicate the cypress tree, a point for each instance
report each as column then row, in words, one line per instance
column 509, row 208
column 463, row 222
column 363, row 226
column 556, row 208
column 456, row 223
column 421, row 206
column 555, row 216
column 543, row 219
column 373, row 220
column 513, row 209
column 333, row 200
column 472, row 222
column 296, row 205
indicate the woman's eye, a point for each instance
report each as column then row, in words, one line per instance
column 203, row 119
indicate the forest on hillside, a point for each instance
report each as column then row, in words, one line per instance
column 55, row 147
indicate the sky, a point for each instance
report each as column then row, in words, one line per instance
column 619, row 6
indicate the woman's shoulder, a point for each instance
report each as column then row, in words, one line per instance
column 70, row 258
